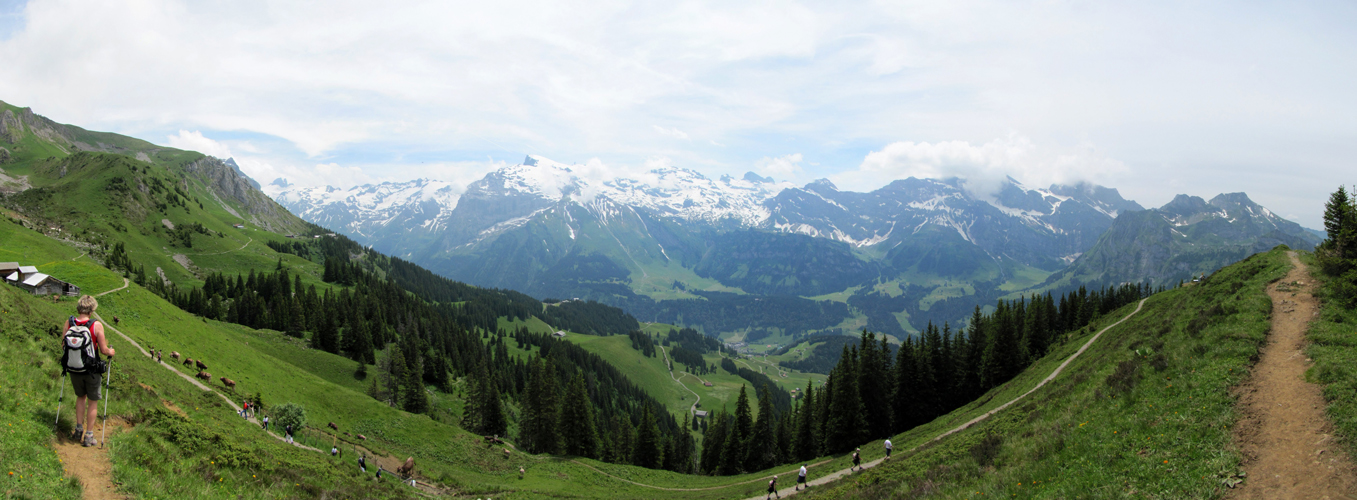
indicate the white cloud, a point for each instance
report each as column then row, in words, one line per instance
column 782, row 167
column 1163, row 87
column 983, row 167
column 194, row 141
column 671, row 132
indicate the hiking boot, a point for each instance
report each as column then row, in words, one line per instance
column 89, row 439
column 77, row 432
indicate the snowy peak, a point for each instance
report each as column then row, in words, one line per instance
column 669, row 191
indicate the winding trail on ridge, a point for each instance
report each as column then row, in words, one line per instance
column 821, row 480
column 1283, row 433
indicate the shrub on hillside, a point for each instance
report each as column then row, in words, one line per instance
column 290, row 413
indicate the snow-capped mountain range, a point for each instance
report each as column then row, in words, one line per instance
column 556, row 230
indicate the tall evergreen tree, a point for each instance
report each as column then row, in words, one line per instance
column 541, row 409
column 647, row 451
column 578, row 434
column 806, row 444
column 762, row 451
column 846, row 426
column 874, row 385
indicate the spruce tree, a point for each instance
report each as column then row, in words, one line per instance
column 874, row 384
column 805, row 444
column 762, row 451
column 579, row 436
column 416, row 399
column 905, row 400
column 396, row 369
column 846, row 427
column 647, row 451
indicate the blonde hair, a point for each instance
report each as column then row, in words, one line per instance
column 87, row 305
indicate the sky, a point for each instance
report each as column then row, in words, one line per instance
column 1151, row 98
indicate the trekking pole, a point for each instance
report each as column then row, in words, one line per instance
column 107, row 383
column 60, row 395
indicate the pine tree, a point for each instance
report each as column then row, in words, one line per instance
column 806, row 443
column 647, row 451
column 396, row 376
column 905, row 400
column 846, row 427
column 541, row 409
column 416, row 399
column 762, row 451
column 874, row 384
column 1340, row 224
column 580, row 438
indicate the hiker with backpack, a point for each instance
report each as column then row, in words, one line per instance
column 82, row 344
column 857, row 459
column 772, row 489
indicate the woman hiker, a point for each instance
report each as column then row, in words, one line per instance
column 772, row 489
column 85, row 382
column 857, row 459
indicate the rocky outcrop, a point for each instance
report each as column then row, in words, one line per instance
column 230, row 185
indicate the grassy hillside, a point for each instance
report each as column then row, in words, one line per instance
column 1146, row 411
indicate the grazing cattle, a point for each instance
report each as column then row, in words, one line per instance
column 408, row 469
column 360, row 436
column 346, row 434
column 228, row 382
column 204, row 375
column 506, row 453
column 174, row 354
column 115, row 320
column 333, row 426
column 188, row 361
column 201, row 365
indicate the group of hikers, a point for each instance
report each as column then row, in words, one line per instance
column 801, row 474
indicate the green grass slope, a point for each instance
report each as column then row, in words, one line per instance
column 1146, row 411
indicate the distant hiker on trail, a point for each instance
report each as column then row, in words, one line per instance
column 82, row 344
column 266, row 422
column 521, row 472
column 363, row 463
column 334, row 451
column 772, row 489
column 288, row 432
column 244, row 410
column 857, row 459
column 889, row 447
column 801, row 479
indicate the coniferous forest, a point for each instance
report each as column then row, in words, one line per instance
column 876, row 390
column 433, row 329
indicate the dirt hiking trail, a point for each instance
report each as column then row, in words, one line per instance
column 1286, row 439
column 90, row 465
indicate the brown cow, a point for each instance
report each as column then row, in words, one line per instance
column 201, row 365
column 174, row 354
column 408, row 469
column 332, row 426
column 188, row 361
column 115, row 320
column 204, row 375
column 360, row 436
column 228, row 382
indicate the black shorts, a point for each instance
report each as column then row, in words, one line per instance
column 800, row 479
column 86, row 385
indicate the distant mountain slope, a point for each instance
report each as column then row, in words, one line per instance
column 44, row 152
column 1187, row 236
column 674, row 244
